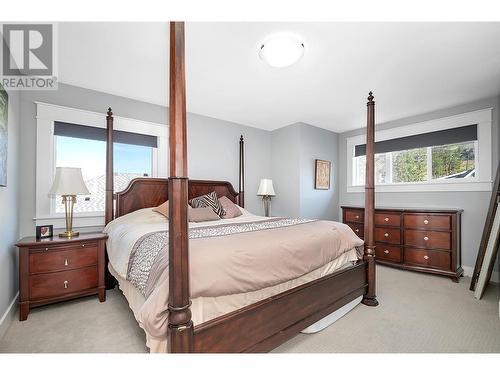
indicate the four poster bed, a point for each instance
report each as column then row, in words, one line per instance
column 229, row 294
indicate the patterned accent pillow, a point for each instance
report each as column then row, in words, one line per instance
column 231, row 209
column 208, row 200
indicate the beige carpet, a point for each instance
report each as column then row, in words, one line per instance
column 417, row 313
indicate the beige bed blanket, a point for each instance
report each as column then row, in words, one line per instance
column 243, row 262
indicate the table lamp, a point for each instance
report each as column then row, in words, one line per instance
column 69, row 183
column 266, row 190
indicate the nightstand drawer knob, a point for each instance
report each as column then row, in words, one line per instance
column 426, row 257
column 426, row 238
column 46, row 249
column 66, row 283
column 426, row 221
column 83, row 245
column 386, row 234
column 357, row 216
column 386, row 251
column 66, row 262
column 357, row 230
column 386, row 219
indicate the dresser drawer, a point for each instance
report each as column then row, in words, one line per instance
column 60, row 260
column 386, row 252
column 388, row 235
column 428, row 258
column 387, row 218
column 428, row 239
column 425, row 221
column 354, row 215
column 358, row 229
column 60, row 283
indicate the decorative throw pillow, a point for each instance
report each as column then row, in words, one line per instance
column 162, row 209
column 208, row 200
column 231, row 209
column 197, row 215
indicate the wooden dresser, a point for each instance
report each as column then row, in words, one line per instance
column 58, row 269
column 425, row 240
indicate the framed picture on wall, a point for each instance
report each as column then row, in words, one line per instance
column 322, row 180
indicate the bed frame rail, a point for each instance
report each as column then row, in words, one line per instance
column 264, row 325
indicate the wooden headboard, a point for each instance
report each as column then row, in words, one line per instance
column 151, row 192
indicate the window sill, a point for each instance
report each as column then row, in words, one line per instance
column 81, row 221
column 408, row 188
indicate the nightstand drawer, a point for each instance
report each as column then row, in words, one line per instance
column 428, row 258
column 60, row 283
column 388, row 235
column 428, row 239
column 63, row 260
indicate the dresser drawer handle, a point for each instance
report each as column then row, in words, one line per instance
column 386, row 219
column 386, row 251
column 357, row 230
column 66, row 283
column 426, row 221
column 83, row 245
column 66, row 262
column 426, row 257
column 357, row 216
column 386, row 234
column 46, row 249
column 426, row 238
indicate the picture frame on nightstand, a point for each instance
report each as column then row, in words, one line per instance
column 44, row 231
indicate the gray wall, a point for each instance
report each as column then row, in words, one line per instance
column 475, row 204
column 317, row 143
column 285, row 160
column 294, row 150
column 9, row 215
column 213, row 145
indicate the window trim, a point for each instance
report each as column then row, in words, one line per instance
column 47, row 114
column 483, row 156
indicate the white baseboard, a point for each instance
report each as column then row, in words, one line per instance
column 8, row 316
column 495, row 276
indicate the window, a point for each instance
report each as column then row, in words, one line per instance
column 444, row 154
column 453, row 161
column 140, row 149
column 130, row 161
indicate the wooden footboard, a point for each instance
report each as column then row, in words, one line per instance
column 264, row 325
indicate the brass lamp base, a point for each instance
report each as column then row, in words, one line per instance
column 69, row 234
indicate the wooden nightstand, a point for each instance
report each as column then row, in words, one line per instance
column 57, row 269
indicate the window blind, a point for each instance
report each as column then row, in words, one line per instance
column 99, row 134
column 438, row 138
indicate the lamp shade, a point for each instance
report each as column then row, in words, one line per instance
column 68, row 181
column 266, row 187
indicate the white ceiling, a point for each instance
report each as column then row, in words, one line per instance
column 412, row 68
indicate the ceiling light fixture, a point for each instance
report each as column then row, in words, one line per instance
column 281, row 50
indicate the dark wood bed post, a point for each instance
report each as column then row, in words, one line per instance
column 108, row 202
column 370, row 298
column 180, row 325
column 241, row 181
column 109, row 214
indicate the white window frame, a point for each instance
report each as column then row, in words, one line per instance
column 483, row 155
column 47, row 114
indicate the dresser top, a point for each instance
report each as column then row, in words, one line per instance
column 33, row 241
column 413, row 209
